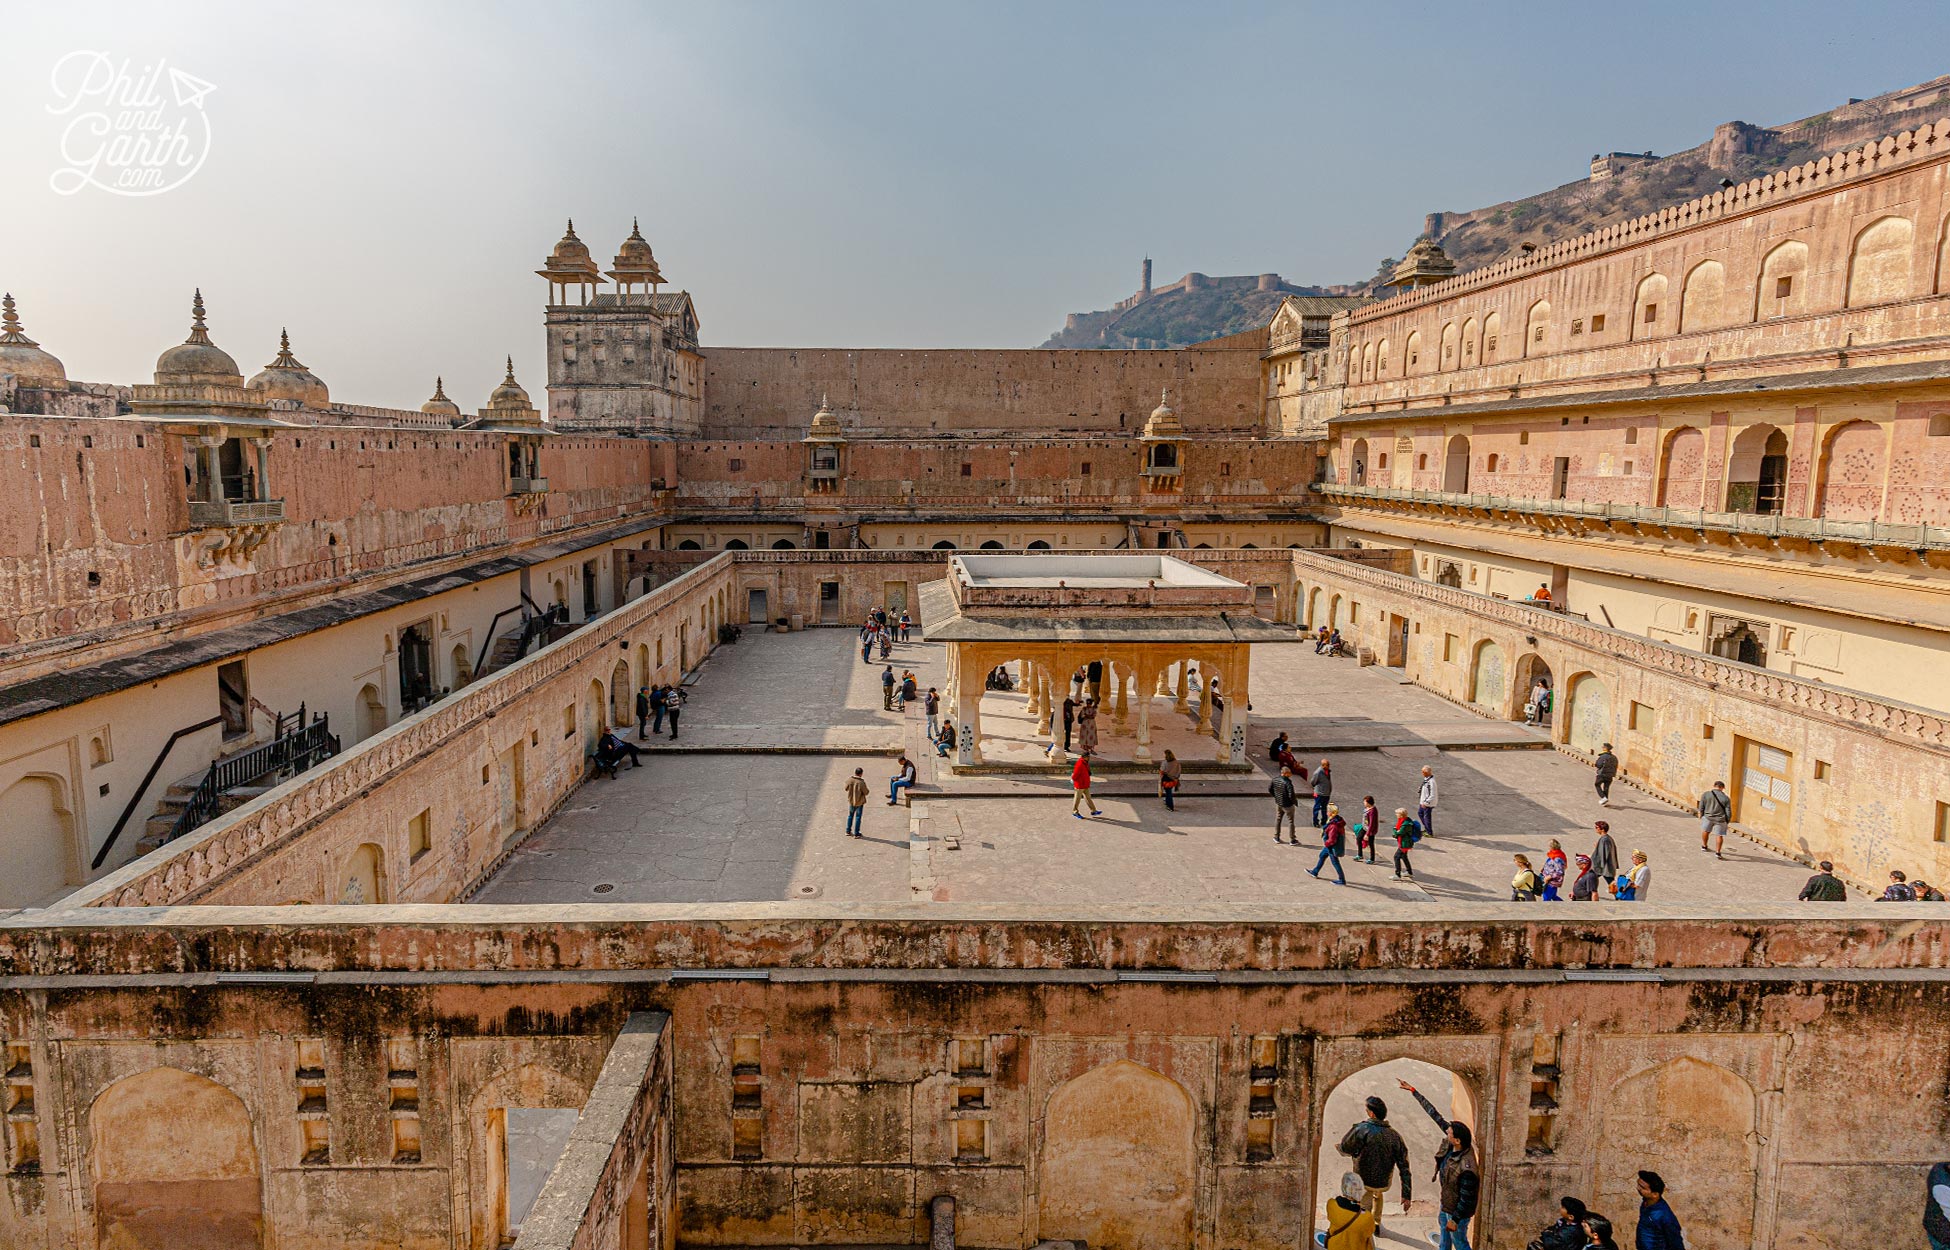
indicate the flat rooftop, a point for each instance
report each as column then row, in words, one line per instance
column 1123, row 572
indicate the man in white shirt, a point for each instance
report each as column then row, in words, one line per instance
column 1425, row 803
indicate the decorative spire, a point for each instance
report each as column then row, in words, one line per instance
column 199, row 333
column 284, row 359
column 440, row 387
column 10, row 331
column 572, row 227
column 511, row 360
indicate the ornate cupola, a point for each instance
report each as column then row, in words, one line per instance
column 23, row 357
column 570, row 265
column 1425, row 265
column 635, row 265
column 509, row 412
column 1164, row 448
column 825, row 447
column 285, row 378
column 440, row 405
column 196, row 361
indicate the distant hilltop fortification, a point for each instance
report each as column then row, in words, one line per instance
column 1193, row 309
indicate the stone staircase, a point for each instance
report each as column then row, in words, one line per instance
column 507, row 648
column 169, row 809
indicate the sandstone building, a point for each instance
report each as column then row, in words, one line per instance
column 264, row 649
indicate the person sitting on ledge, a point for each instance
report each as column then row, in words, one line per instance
column 944, row 742
column 611, row 749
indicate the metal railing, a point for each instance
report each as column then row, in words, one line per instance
column 222, row 513
column 295, row 751
column 528, row 486
column 1772, row 525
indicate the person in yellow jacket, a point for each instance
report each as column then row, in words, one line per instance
column 1350, row 1225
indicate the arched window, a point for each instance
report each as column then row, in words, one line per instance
column 1783, row 286
column 784, row 544
column 1412, row 353
column 944, row 545
column 689, row 544
column 1700, row 304
column 1648, row 305
column 1489, row 465
column 1469, row 342
column 736, row 544
column 1381, row 366
column 1449, row 339
column 1537, row 327
column 1039, row 545
column 1367, row 363
column 1492, row 326
column 991, row 545
column 1878, row 265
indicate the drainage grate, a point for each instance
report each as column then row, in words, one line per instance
column 604, row 888
column 806, row 891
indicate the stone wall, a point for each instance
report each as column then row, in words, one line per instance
column 1096, row 1074
column 772, row 392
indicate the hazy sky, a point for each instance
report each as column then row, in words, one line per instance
column 384, row 178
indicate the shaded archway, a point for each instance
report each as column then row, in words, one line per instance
column 1488, row 686
column 784, row 544
column 1532, row 672
column 1694, row 1123
column 991, row 545
column 1757, row 471
column 690, row 544
column 736, row 544
column 1358, row 458
column 944, row 545
column 36, row 840
column 1455, row 466
column 1682, row 469
column 1587, row 718
column 1119, row 1161
column 1344, row 1107
column 363, row 877
column 1039, row 545
column 1878, row 263
column 622, row 696
column 593, row 723
column 174, row 1163
column 1854, row 462
column 371, row 711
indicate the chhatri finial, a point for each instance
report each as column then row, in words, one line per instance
column 439, row 387
column 511, row 369
column 199, row 332
column 9, row 319
column 284, row 339
column 822, row 400
column 572, row 227
column 634, row 228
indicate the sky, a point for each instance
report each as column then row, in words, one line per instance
column 383, row 179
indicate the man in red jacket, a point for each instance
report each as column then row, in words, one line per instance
column 1080, row 782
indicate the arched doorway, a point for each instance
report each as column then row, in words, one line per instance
column 1757, row 471
column 1587, row 717
column 1694, row 1123
column 944, row 545
column 991, row 545
column 363, row 879
column 158, row 1189
column 36, row 840
column 1853, row 466
column 622, row 695
column 463, row 671
column 1454, row 1098
column 1532, row 672
column 736, row 544
column 1038, row 545
column 1487, row 685
column 1455, row 466
column 1682, row 469
column 1359, row 459
column 371, row 711
column 1119, row 1161
column 690, row 544
column 784, row 544
column 593, row 722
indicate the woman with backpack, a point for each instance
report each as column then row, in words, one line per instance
column 1333, row 838
column 1553, row 874
column 1407, row 834
column 1524, row 886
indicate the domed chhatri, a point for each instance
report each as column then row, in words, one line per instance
column 440, row 405
column 635, row 264
column 285, row 378
column 570, row 265
column 23, row 357
column 1164, row 421
column 196, row 361
column 509, row 394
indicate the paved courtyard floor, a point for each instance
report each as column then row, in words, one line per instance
column 748, row 804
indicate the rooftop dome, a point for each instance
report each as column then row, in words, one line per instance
column 285, row 378
column 22, row 356
column 440, row 405
column 509, row 394
column 635, row 263
column 571, row 255
column 196, row 360
column 1164, row 421
column 825, row 425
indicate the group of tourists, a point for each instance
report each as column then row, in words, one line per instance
column 1598, row 877
column 1337, row 837
column 1825, row 887
column 1380, row 1156
column 655, row 705
column 881, row 630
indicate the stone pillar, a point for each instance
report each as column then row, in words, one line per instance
column 1031, row 689
column 1238, row 695
column 263, row 447
column 1184, row 686
column 1164, row 680
column 1227, row 717
column 1204, row 698
column 1143, row 751
column 1117, row 680
column 1042, row 700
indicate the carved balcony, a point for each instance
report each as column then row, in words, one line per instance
column 234, row 513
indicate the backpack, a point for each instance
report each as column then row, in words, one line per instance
column 1410, row 833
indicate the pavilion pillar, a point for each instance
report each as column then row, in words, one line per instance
column 967, row 697
column 1204, row 697
column 1228, row 717
column 1143, row 751
column 1238, row 697
column 1041, row 700
column 1031, row 688
column 1117, row 679
column 1164, row 680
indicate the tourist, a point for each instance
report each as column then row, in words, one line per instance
column 1533, row 711
column 1407, row 834
column 1553, row 874
column 1598, row 1229
column 1525, row 885
column 1370, row 827
column 659, row 696
column 1899, row 889
column 1566, row 1232
column 1455, row 1174
column 1635, row 883
column 866, row 644
column 1543, row 593
column 1320, row 640
column 945, row 740
column 1350, row 1226
column 1069, row 717
column 1087, row 726
column 1584, row 887
column 1425, row 802
column 1658, row 1226
column 907, row 625
column 901, row 780
column 886, row 644
column 1925, row 892
column 1277, row 747
column 1336, row 645
column 642, row 713
column 1604, row 853
column 1824, row 886
column 1080, row 784
column 610, row 749
column 1378, row 1152
column 1171, row 774
column 1286, row 806
column 910, row 687
column 856, row 802
column 933, row 708
column 1333, row 837
column 1936, row 1206
column 1715, row 810
column 1604, row 769
column 673, row 704
column 1323, row 784
column 887, row 689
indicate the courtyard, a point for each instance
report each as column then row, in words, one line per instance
column 749, row 802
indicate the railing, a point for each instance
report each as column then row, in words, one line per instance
column 222, row 513
column 1772, row 525
column 528, row 486
column 295, row 751
column 155, row 766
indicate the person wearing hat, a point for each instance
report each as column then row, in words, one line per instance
column 1350, row 1226
column 1584, row 887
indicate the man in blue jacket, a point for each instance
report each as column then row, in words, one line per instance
column 1658, row 1226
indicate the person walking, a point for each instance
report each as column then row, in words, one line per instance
column 1936, row 1206
column 1553, row 874
column 1604, row 854
column 1080, row 784
column 1604, row 770
column 1425, row 803
column 1584, row 886
column 1171, row 774
column 866, row 644
column 1379, row 1153
column 1525, row 885
column 1087, row 726
column 1286, row 806
column 1658, row 1226
column 659, row 696
column 673, row 704
column 1323, row 784
column 642, row 713
column 1715, row 813
column 1407, row 834
column 1370, row 828
column 933, row 706
column 1333, row 837
column 1349, row 1225
column 902, row 780
column 1069, row 718
column 1898, row 890
column 1455, row 1174
column 887, row 689
column 856, row 802
column 1824, row 887
column 1635, row 883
